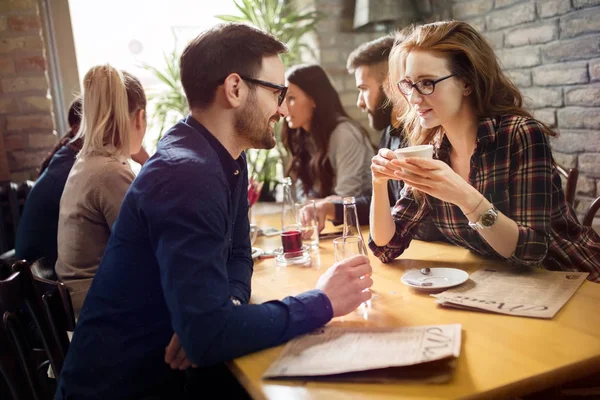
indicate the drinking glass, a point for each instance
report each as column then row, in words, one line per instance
column 253, row 233
column 348, row 246
column 306, row 215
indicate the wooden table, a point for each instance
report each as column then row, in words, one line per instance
column 502, row 356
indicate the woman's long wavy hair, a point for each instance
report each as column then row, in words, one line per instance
column 471, row 58
column 314, row 170
column 110, row 99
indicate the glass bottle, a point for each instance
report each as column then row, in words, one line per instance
column 288, row 207
column 351, row 225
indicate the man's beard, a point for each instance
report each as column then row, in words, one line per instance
column 381, row 117
column 250, row 127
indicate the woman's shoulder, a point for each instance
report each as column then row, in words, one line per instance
column 345, row 127
column 513, row 121
column 512, row 126
column 101, row 167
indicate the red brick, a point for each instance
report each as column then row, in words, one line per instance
column 7, row 66
column 11, row 44
column 24, row 23
column 30, row 63
column 35, row 103
column 23, row 84
column 42, row 140
column 20, row 176
column 8, row 105
column 13, row 142
column 29, row 122
column 18, row 5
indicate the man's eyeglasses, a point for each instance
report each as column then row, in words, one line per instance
column 424, row 87
column 282, row 89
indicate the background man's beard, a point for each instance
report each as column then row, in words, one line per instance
column 250, row 127
column 382, row 115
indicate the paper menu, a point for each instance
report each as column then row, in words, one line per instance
column 336, row 350
column 527, row 292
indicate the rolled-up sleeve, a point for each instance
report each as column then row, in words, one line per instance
column 531, row 192
column 407, row 214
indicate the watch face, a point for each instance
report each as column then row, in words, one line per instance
column 488, row 218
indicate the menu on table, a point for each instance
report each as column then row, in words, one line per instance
column 526, row 292
column 418, row 353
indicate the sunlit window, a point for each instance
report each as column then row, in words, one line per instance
column 131, row 33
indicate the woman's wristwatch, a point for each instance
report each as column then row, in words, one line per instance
column 486, row 220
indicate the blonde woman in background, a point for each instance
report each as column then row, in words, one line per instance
column 113, row 126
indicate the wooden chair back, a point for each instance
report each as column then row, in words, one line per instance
column 588, row 218
column 571, row 175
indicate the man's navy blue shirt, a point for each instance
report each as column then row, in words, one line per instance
column 179, row 250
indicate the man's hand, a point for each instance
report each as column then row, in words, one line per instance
column 346, row 283
column 175, row 355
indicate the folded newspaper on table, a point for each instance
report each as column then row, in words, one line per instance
column 526, row 292
column 420, row 353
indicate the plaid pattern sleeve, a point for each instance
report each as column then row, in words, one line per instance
column 407, row 214
column 530, row 188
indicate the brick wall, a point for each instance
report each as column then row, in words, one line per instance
column 551, row 50
column 26, row 121
column 336, row 38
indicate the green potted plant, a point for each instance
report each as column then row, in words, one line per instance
column 282, row 19
column 169, row 102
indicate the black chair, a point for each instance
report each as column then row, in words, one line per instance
column 35, row 323
column 18, row 311
column 9, row 215
column 58, row 307
column 19, row 368
column 12, row 201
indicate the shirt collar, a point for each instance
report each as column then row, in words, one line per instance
column 486, row 133
column 231, row 167
column 392, row 131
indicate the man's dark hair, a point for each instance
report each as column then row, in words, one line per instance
column 370, row 53
column 222, row 50
column 74, row 115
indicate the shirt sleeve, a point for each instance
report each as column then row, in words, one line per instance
column 187, row 219
column 407, row 215
column 111, row 189
column 239, row 267
column 530, row 192
column 348, row 150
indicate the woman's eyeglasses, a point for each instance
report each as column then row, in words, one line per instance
column 424, row 86
column 282, row 89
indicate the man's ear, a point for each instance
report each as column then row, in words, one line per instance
column 234, row 90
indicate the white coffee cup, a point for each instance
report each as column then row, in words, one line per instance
column 423, row 151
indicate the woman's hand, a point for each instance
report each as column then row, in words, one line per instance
column 141, row 156
column 435, row 178
column 383, row 167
